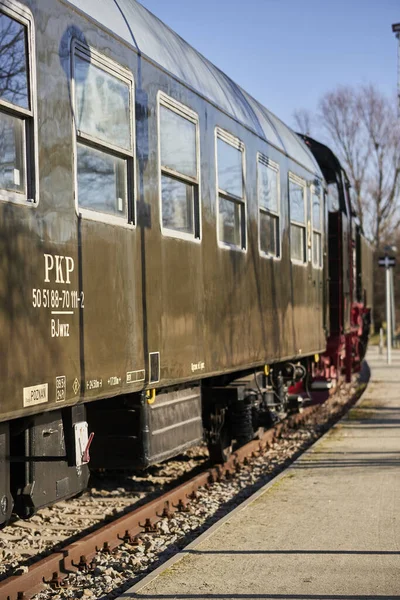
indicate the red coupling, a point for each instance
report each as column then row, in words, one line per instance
column 86, row 455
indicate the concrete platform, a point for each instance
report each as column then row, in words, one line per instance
column 327, row 528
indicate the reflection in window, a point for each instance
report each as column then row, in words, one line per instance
column 12, row 153
column 177, row 204
column 231, row 209
column 269, row 233
column 317, row 249
column 268, row 186
column 297, row 192
column 316, row 211
column 179, row 168
column 101, row 181
column 102, row 104
column 297, row 207
column 104, row 135
column 268, row 201
column 16, row 116
column 298, row 242
column 13, row 62
column 333, row 197
column 317, row 229
column 229, row 221
column 178, row 143
column 230, row 169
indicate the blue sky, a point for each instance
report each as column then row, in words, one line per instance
column 288, row 53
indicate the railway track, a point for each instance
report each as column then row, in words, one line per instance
column 129, row 545
column 110, row 494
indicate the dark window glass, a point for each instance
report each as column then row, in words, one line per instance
column 297, row 214
column 333, row 197
column 178, row 143
column 179, row 196
column 102, row 105
column 13, row 62
column 296, row 196
column 316, row 211
column 102, row 112
column 230, row 222
column 298, row 242
column 268, row 199
column 317, row 228
column 268, row 187
column 317, row 249
column 231, row 206
column 230, row 169
column 269, row 233
column 12, row 153
column 177, row 204
column 102, row 181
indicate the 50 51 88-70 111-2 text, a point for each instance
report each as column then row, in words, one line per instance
column 63, row 299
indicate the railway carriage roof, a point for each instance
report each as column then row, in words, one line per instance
column 151, row 37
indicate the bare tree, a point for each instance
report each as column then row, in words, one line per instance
column 361, row 126
column 378, row 117
column 13, row 68
column 339, row 118
column 303, row 121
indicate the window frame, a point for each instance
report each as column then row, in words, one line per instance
column 236, row 143
column 292, row 177
column 99, row 60
column 14, row 10
column 185, row 112
column 267, row 162
column 320, row 232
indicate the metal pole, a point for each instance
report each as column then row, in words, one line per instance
column 381, row 344
column 388, row 318
column 398, row 73
column 392, row 305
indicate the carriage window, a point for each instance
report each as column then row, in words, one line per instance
column 179, row 169
column 297, row 192
column 268, row 202
column 231, row 199
column 12, row 154
column 102, row 180
column 16, row 113
column 333, row 197
column 103, row 115
column 317, row 228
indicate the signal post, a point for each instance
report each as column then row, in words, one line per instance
column 388, row 262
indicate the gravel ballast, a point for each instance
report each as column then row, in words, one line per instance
column 111, row 574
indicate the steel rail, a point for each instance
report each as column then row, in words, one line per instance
column 127, row 528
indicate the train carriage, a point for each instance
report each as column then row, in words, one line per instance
column 164, row 249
